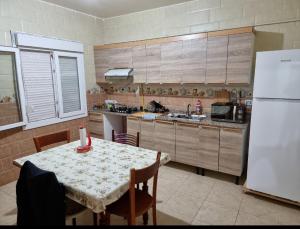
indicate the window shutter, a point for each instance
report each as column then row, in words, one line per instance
column 70, row 84
column 38, row 85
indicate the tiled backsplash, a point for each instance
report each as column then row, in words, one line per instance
column 174, row 97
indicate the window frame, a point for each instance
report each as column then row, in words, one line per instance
column 19, row 88
column 81, row 82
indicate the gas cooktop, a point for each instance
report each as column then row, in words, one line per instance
column 123, row 109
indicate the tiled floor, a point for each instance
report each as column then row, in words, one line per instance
column 187, row 198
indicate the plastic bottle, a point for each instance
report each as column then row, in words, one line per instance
column 198, row 107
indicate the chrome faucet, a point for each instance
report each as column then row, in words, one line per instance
column 188, row 113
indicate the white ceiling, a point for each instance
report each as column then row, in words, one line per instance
column 112, row 8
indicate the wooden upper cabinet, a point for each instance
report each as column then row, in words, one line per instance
column 120, row 58
column 193, row 62
column 101, row 63
column 209, row 147
column 139, row 60
column 165, row 138
column 171, row 62
column 232, row 151
column 216, row 67
column 153, row 53
column 147, row 135
column 240, row 57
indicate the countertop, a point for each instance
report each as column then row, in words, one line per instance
column 206, row 122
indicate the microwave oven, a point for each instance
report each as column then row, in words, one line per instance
column 228, row 112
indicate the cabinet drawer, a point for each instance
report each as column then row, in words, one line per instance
column 96, row 117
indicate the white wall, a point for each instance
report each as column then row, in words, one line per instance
column 38, row 17
column 209, row 15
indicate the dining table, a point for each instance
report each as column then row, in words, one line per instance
column 97, row 178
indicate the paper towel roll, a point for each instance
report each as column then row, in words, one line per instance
column 82, row 133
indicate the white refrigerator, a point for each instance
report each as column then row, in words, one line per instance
column 274, row 145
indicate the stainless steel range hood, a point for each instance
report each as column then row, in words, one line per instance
column 119, row 74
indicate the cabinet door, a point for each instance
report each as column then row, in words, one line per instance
column 209, row 147
column 120, row 58
column 139, row 59
column 147, row 135
column 194, row 61
column 95, row 125
column 165, row 138
column 187, row 143
column 101, row 63
column 217, row 51
column 240, row 56
column 153, row 63
column 231, row 157
column 171, row 62
column 133, row 126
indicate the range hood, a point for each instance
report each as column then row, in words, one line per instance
column 119, row 74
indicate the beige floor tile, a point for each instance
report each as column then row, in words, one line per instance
column 8, row 209
column 248, row 219
column 226, row 194
column 215, row 214
column 10, row 189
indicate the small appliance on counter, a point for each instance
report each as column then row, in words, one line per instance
column 156, row 107
column 228, row 112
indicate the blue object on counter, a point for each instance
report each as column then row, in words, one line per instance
column 149, row 116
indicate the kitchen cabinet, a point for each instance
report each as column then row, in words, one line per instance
column 101, row 63
column 120, row 58
column 217, row 51
column 209, row 138
column 232, row 151
column 240, row 57
column 153, row 53
column 165, row 137
column 139, row 59
column 171, row 62
column 187, row 144
column 133, row 125
column 193, row 63
column 147, row 134
column 95, row 125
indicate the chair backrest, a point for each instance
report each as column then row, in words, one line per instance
column 143, row 176
column 49, row 139
column 127, row 139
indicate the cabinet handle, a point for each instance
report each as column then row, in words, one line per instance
column 132, row 118
column 188, row 125
column 210, row 128
column 233, row 130
column 164, row 122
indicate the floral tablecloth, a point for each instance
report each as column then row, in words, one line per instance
column 97, row 178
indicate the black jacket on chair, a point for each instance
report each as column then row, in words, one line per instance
column 40, row 197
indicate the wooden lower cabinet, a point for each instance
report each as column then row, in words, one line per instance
column 232, row 151
column 165, row 137
column 133, row 125
column 208, row 147
column 95, row 125
column 147, row 134
column 187, row 143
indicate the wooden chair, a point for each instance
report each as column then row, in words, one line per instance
column 137, row 202
column 127, row 139
column 72, row 207
column 45, row 140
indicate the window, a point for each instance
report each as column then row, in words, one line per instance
column 52, row 82
column 12, row 110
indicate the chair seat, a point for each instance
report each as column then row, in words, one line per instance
column 73, row 208
column 121, row 207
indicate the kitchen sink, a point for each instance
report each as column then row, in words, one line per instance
column 184, row 116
